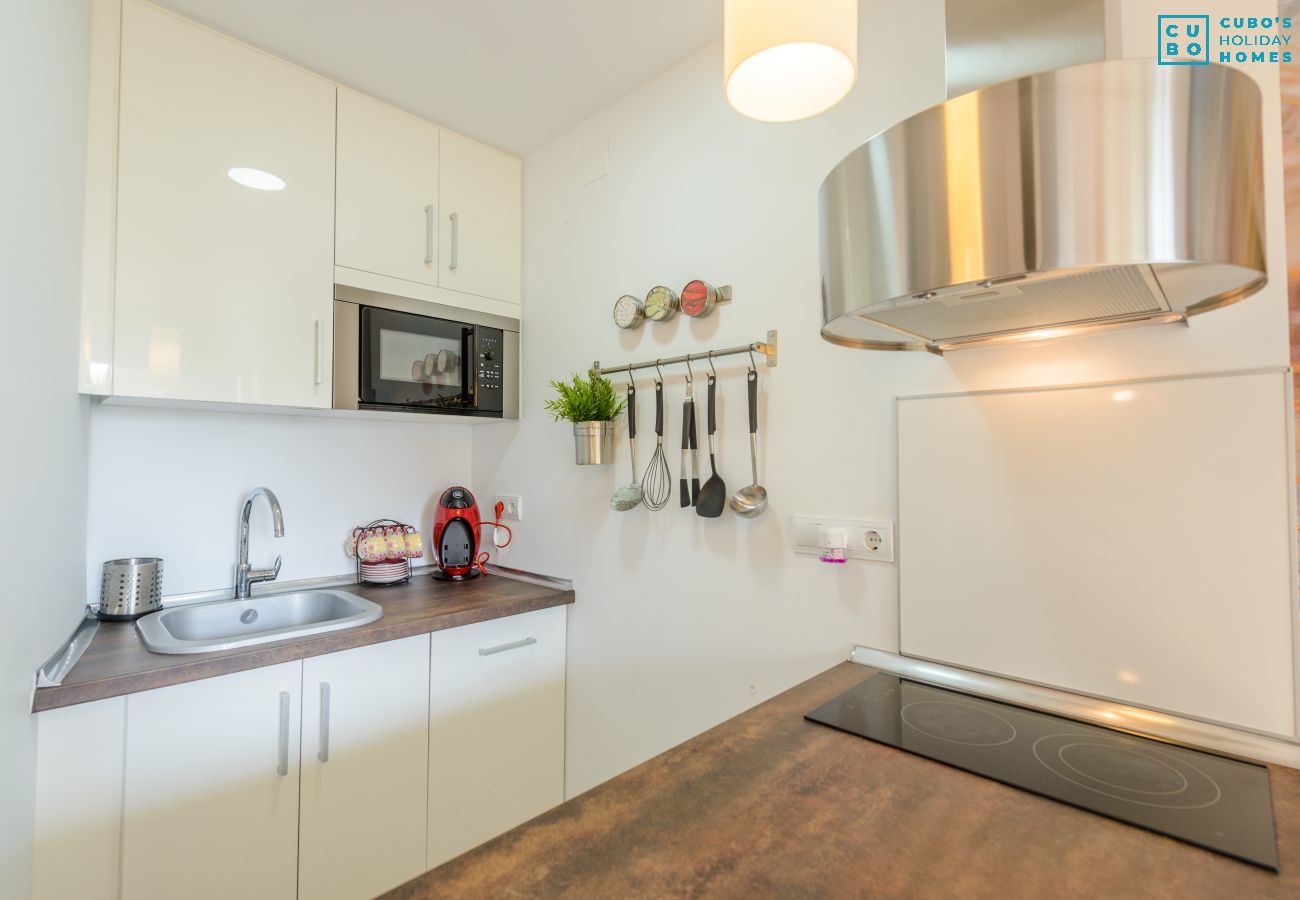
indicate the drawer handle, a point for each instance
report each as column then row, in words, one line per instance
column 324, row 754
column 428, row 235
column 502, row 648
column 282, row 766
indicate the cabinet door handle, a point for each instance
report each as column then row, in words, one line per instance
column 455, row 241
column 320, row 353
column 502, row 648
column 282, row 766
column 324, row 754
column 428, row 235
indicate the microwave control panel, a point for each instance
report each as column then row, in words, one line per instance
column 489, row 354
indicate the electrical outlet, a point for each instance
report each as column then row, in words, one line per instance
column 867, row 539
column 513, row 507
column 878, row 541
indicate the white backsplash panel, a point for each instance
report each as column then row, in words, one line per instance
column 170, row 483
column 1126, row 540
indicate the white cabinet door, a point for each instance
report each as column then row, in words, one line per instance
column 480, row 233
column 496, row 730
column 365, row 757
column 211, row 788
column 79, row 800
column 224, row 292
column 387, row 212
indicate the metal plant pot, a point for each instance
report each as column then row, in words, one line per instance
column 593, row 443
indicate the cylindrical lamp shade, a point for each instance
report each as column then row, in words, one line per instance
column 789, row 59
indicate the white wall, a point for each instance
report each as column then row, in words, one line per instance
column 171, row 483
column 682, row 622
column 44, row 51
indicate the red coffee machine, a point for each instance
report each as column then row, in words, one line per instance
column 456, row 536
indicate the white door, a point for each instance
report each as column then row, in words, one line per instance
column 496, row 730
column 79, row 804
column 211, row 788
column 387, row 213
column 365, row 726
column 224, row 291
column 480, row 232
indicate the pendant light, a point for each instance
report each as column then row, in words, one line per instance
column 788, row 59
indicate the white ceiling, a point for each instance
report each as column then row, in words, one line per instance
column 511, row 73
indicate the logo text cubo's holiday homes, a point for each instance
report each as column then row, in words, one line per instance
column 1197, row 40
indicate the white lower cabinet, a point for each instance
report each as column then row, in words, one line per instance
column 211, row 788
column 338, row 776
column 77, row 846
column 365, row 767
column 496, row 728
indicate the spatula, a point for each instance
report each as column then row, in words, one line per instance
column 713, row 493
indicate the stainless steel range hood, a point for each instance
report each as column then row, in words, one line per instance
column 1108, row 193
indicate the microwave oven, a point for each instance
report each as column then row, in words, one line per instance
column 395, row 353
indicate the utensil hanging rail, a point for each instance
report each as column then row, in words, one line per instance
column 767, row 348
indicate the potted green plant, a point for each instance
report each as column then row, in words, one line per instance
column 592, row 406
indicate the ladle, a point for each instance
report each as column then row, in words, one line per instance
column 629, row 496
column 751, row 500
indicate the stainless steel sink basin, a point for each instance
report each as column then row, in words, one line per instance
column 227, row 624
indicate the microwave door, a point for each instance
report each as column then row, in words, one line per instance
column 415, row 361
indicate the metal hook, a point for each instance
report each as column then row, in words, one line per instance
column 753, row 368
column 713, row 370
column 690, row 374
column 660, row 378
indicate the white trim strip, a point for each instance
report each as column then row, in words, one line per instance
column 1162, row 726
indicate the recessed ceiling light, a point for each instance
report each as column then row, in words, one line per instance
column 786, row 61
column 1123, row 396
column 256, row 178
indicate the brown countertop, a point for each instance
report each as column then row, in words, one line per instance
column 116, row 662
column 767, row 805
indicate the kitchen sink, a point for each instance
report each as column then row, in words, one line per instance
column 227, row 624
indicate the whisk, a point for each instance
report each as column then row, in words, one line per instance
column 658, row 482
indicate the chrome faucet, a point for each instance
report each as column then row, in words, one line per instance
column 244, row 574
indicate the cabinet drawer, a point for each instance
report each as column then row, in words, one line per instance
column 496, row 734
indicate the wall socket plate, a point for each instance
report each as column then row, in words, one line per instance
column 868, row 538
column 514, row 507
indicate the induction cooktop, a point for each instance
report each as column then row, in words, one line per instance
column 1211, row 801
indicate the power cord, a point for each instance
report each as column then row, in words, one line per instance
column 482, row 558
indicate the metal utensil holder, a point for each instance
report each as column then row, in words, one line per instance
column 130, row 588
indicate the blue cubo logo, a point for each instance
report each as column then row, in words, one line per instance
column 1184, row 40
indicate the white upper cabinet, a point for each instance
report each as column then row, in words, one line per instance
column 479, row 237
column 387, row 201
column 211, row 788
column 224, row 291
column 365, row 757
